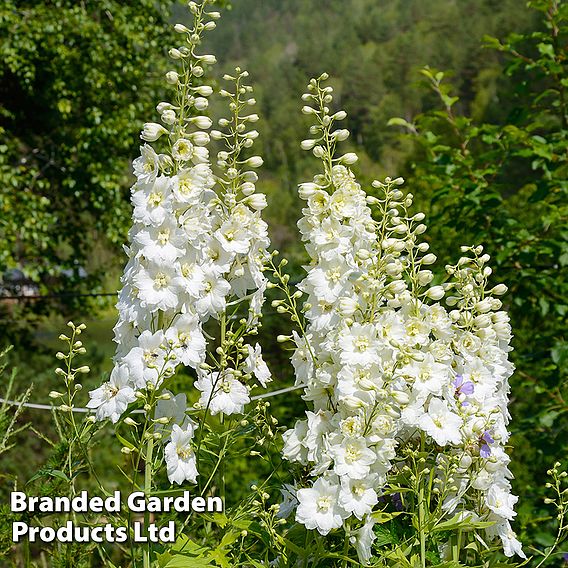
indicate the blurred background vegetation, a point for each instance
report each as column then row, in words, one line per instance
column 466, row 99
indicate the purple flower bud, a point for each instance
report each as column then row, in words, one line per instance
column 485, row 439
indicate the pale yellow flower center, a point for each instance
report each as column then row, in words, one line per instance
column 352, row 453
column 184, row 453
column 324, row 503
column 155, row 198
column 161, row 280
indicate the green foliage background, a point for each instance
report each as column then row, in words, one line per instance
column 481, row 143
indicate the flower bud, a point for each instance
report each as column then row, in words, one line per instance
column 347, row 306
column 172, row 77
column 257, row 201
column 349, row 158
column 309, row 110
column 307, row 189
column 400, row 397
column 208, row 59
column 498, row 290
column 307, row 144
column 204, row 90
column 201, row 103
column 435, row 293
column 340, row 135
column 424, row 277
column 162, row 107
column 484, row 306
column 254, row 162
column 318, row 151
column 202, row 122
column 181, row 29
column 200, row 138
column 168, row 116
column 429, row 259
column 152, row 131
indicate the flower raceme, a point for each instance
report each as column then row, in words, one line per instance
column 197, row 250
column 386, row 368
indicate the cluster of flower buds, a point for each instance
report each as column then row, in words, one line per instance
column 382, row 362
column 197, row 249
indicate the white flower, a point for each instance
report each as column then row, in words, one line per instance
column 329, row 279
column 148, row 359
column 352, row 458
column 189, row 185
column 182, row 150
column 173, row 408
column 218, row 259
column 441, row 423
column 215, row 290
column 511, row 544
column 255, row 364
column 113, row 397
column 152, row 201
column 146, row 167
column 501, row 501
column 294, row 448
column 234, row 237
column 359, row 345
column 188, row 340
column 163, row 243
column 157, row 286
column 364, row 542
column 429, row 376
column 357, row 496
column 222, row 393
column 190, row 277
column 319, row 508
column 180, row 457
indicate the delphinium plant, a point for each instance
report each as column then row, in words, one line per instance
column 193, row 287
column 403, row 453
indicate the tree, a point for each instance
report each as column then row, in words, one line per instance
column 77, row 79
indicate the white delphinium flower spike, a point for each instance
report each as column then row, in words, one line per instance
column 385, row 365
column 197, row 248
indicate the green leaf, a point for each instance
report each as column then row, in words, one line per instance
column 182, row 561
column 460, row 521
column 58, row 474
column 124, row 441
column 401, row 122
column 220, row 557
column 383, row 517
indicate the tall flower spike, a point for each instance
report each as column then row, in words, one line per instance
column 196, row 252
column 382, row 362
column 239, row 247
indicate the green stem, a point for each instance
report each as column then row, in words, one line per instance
column 147, row 491
column 421, row 510
column 421, row 519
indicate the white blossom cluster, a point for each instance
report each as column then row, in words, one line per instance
column 383, row 363
column 197, row 249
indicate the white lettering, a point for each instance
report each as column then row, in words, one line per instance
column 18, row 501
column 18, row 529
